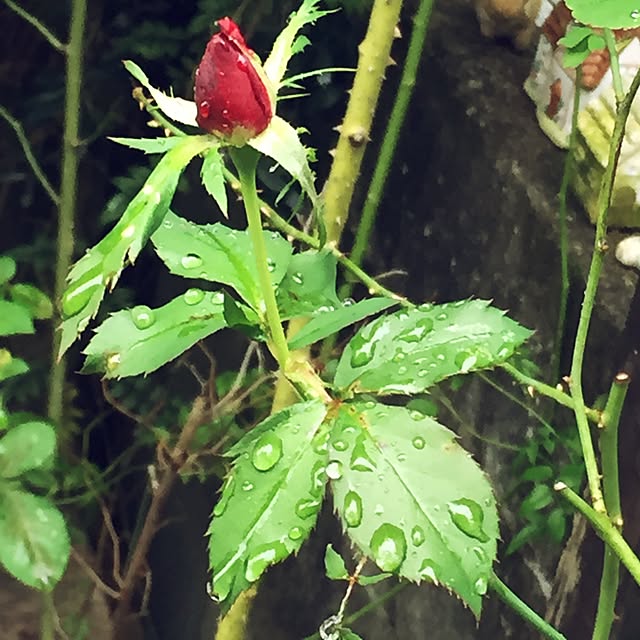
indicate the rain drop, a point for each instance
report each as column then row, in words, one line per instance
column 347, row 302
column 417, row 536
column 247, row 486
column 298, row 278
column 78, row 295
column 263, row 558
column 479, row 554
column 318, row 479
column 468, row 516
column 388, row 547
column 267, row 451
column 295, row 533
column 191, row 261
column 339, row 445
column 480, row 586
column 418, row 442
column 465, row 361
column 193, row 296
column 352, row 509
column 306, row 508
column 360, row 460
column 635, row 14
column 271, row 265
column 334, row 470
column 204, row 109
column 379, row 510
column 113, row 361
column 399, row 356
column 142, row 317
column 428, row 571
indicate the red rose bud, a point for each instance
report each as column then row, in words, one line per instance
column 230, row 90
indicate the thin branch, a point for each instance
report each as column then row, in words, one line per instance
column 95, row 578
column 29, row 155
column 58, row 45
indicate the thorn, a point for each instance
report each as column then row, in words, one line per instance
column 397, row 33
column 391, row 62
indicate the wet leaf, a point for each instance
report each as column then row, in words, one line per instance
column 27, row 446
column 410, row 350
column 101, row 266
column 612, row 14
column 34, row 542
column 213, row 178
column 149, row 145
column 220, row 254
column 270, row 500
column 411, row 499
column 141, row 340
column 334, row 565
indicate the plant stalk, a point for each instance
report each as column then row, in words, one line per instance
column 68, row 194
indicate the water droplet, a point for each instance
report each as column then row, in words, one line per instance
column 480, row 586
column 227, row 492
column 295, row 533
column 417, row 536
column 442, row 316
column 318, row 479
column 298, row 278
column 112, row 361
column 416, row 415
column 78, row 295
column 468, row 516
column 264, row 556
column 266, row 451
column 362, row 353
column 465, row 361
column 247, row 486
column 217, row 297
column 352, row 509
column 191, row 261
column 480, row 554
column 378, row 510
column 320, row 442
column 402, row 457
column 167, row 224
column 271, row 265
column 388, row 547
column 418, row 442
column 339, row 445
column 128, row 231
column 347, row 302
column 142, row 317
column 193, row 296
column 360, row 460
column 635, row 14
column 399, row 356
column 428, row 571
column 402, row 370
column 306, row 508
column 204, row 109
column 334, row 470
column 418, row 331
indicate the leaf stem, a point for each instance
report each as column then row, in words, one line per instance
column 604, row 528
column 246, row 161
column 522, row 608
column 610, row 578
column 610, row 41
column 600, row 248
column 33, row 21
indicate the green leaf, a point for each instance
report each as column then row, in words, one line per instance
column 217, row 253
column 347, row 634
column 178, row 109
column 14, row 318
column 410, row 350
column 270, row 500
column 611, row 14
column 574, row 36
column 101, row 265
column 540, row 473
column 287, row 43
column 326, row 323
column 30, row 445
column 309, row 285
column 539, row 497
column 412, row 499
column 10, row 366
column 141, row 340
column 280, row 141
column 213, row 178
column 149, row 145
column 365, row 581
column 7, row 269
column 34, row 542
column 36, row 301
column 334, row 565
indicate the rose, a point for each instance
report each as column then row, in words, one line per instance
column 231, row 89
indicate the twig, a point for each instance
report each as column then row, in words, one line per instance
column 29, row 155
column 95, row 578
column 33, row 21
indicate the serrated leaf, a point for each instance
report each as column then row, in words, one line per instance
column 309, row 285
column 347, row 634
column 27, row 446
column 148, row 145
column 141, row 340
column 611, row 14
column 334, row 566
column 285, row 45
column 410, row 350
column 10, row 366
column 280, row 142
column 34, row 542
column 217, row 253
column 178, row 109
column 14, row 318
column 101, row 265
column 270, row 500
column 37, row 302
column 326, row 323
column 412, row 499
column 7, row 269
column 213, row 178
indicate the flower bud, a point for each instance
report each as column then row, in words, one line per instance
column 231, row 92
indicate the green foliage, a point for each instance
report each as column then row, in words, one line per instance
column 410, row 350
column 334, row 565
column 612, row 14
column 579, row 43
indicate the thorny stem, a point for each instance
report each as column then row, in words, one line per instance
column 246, row 161
column 391, row 136
column 600, row 248
column 604, row 528
column 522, row 608
column 610, row 578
